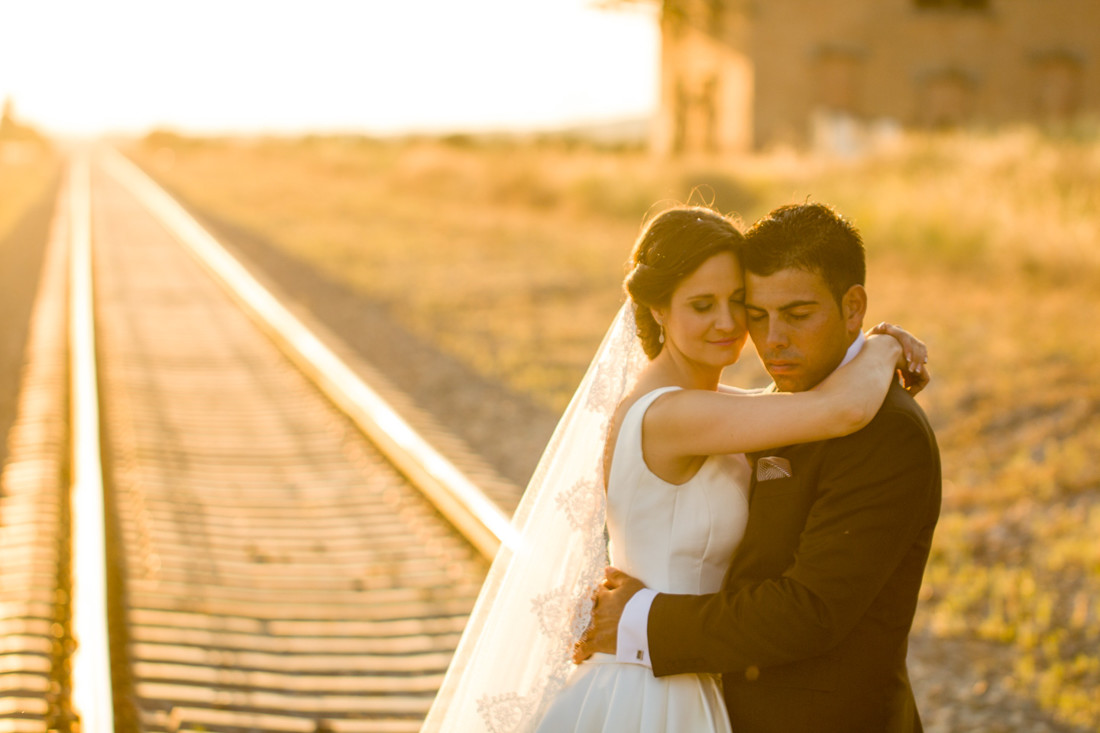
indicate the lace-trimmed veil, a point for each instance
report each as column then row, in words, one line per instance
column 514, row 654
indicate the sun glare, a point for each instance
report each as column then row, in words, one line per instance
column 248, row 65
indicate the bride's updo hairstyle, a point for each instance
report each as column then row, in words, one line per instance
column 671, row 246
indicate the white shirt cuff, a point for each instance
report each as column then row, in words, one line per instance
column 633, row 643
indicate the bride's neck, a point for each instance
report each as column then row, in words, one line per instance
column 680, row 372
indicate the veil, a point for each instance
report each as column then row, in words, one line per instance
column 514, row 654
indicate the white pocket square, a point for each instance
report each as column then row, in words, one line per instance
column 770, row 468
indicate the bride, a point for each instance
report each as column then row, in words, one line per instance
column 651, row 423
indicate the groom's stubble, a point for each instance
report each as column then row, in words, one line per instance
column 799, row 329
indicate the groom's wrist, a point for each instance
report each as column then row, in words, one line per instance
column 633, row 638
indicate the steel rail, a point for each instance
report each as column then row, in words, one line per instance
column 280, row 572
column 457, row 498
column 91, row 664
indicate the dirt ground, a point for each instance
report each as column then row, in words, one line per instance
column 961, row 685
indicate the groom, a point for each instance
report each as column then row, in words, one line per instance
column 811, row 629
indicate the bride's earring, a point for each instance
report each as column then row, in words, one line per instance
column 661, row 335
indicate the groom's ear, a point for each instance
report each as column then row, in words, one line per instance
column 853, row 307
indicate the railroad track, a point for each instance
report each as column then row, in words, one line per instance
column 274, row 549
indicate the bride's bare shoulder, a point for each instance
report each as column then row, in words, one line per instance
column 640, row 390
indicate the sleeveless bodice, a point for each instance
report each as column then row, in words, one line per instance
column 675, row 538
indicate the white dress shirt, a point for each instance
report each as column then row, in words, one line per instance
column 633, row 642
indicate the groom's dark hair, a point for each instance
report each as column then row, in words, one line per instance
column 811, row 237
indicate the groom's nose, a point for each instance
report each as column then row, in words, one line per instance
column 775, row 335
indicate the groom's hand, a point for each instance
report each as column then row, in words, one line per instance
column 612, row 596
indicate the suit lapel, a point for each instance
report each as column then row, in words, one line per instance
column 775, row 521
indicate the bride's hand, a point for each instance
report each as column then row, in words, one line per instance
column 913, row 362
column 611, row 598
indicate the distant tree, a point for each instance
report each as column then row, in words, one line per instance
column 11, row 129
column 7, row 120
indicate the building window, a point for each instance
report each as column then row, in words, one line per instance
column 946, row 98
column 695, row 116
column 952, row 4
column 1058, row 85
column 839, row 73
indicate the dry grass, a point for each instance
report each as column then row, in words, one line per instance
column 510, row 256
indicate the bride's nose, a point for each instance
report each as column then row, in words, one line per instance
column 728, row 320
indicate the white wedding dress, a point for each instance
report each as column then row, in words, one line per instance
column 675, row 539
column 514, row 658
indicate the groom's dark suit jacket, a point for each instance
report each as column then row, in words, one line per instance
column 811, row 629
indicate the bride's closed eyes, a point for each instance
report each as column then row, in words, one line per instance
column 702, row 305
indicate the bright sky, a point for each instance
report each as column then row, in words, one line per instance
column 80, row 66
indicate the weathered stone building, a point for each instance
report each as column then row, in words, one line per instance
column 737, row 74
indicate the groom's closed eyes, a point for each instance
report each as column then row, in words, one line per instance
column 796, row 311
